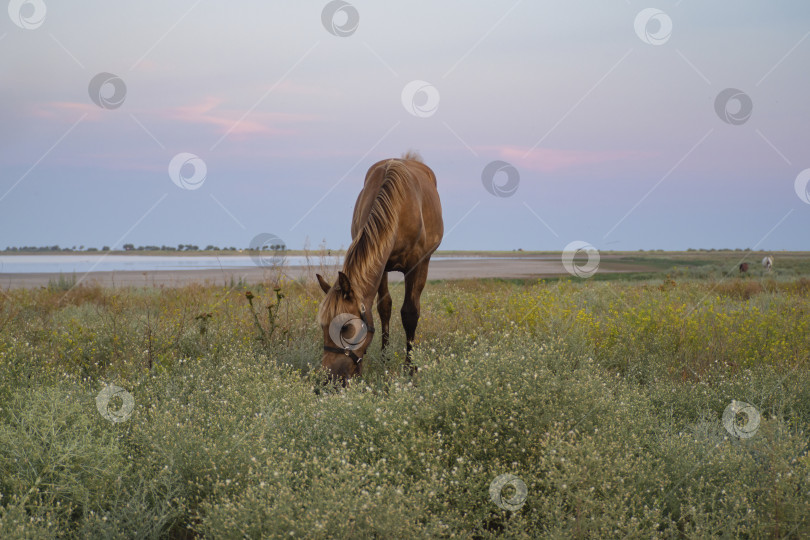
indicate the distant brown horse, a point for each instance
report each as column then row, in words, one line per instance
column 396, row 227
column 743, row 268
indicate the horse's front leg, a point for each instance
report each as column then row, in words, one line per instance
column 384, row 304
column 414, row 284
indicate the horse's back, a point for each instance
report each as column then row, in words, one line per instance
column 419, row 219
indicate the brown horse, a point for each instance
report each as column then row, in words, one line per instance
column 396, row 227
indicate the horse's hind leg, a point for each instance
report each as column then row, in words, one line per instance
column 414, row 284
column 384, row 303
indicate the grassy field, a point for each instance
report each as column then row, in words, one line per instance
column 604, row 399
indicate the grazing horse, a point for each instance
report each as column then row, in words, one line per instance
column 396, row 227
column 767, row 263
column 743, row 268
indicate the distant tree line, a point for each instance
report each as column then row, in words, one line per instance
column 179, row 247
column 132, row 247
column 53, row 248
column 722, row 249
column 707, row 250
column 210, row 247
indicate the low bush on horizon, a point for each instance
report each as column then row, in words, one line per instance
column 606, row 401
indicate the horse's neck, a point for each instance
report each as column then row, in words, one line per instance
column 366, row 266
column 371, row 249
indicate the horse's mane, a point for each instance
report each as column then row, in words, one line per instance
column 371, row 247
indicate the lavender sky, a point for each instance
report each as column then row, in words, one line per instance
column 605, row 116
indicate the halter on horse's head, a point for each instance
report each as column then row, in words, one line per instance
column 347, row 328
column 348, row 350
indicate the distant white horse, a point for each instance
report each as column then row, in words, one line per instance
column 767, row 263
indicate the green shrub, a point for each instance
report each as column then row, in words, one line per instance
column 605, row 399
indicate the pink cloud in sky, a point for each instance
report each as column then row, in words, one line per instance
column 67, row 111
column 236, row 121
column 555, row 159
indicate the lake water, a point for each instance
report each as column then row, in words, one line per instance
column 80, row 264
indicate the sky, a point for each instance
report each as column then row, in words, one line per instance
column 608, row 122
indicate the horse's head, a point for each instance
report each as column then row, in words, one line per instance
column 347, row 328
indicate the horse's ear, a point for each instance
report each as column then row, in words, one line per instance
column 322, row 282
column 345, row 286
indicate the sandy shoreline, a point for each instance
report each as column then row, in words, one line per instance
column 440, row 269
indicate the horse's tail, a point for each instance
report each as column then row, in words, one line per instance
column 412, row 155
